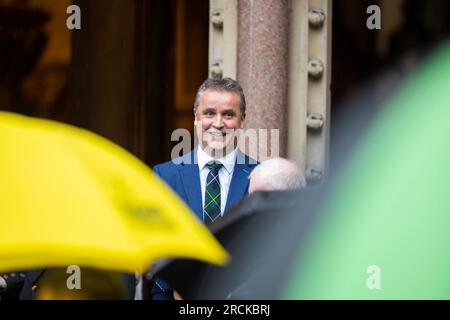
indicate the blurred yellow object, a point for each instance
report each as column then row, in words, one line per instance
column 69, row 196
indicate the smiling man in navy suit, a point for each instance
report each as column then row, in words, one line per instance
column 214, row 176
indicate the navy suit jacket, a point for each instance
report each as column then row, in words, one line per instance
column 182, row 175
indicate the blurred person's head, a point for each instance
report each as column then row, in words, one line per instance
column 276, row 174
column 219, row 110
column 95, row 285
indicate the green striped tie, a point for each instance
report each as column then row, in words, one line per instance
column 211, row 209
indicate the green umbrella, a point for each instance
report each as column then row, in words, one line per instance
column 385, row 233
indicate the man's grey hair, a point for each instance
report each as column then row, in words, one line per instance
column 277, row 174
column 224, row 84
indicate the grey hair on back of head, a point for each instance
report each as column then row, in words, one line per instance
column 280, row 174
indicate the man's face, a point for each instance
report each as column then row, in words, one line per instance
column 217, row 118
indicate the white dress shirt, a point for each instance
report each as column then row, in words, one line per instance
column 225, row 174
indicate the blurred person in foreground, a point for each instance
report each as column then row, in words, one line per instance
column 276, row 174
column 10, row 285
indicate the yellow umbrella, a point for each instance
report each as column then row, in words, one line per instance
column 69, row 196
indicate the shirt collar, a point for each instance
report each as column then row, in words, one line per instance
column 228, row 161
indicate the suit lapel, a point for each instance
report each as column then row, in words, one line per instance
column 190, row 178
column 239, row 181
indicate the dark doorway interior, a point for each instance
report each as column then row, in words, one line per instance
column 130, row 74
column 136, row 67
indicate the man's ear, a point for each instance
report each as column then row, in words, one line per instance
column 195, row 116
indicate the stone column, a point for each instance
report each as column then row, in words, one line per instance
column 263, row 65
